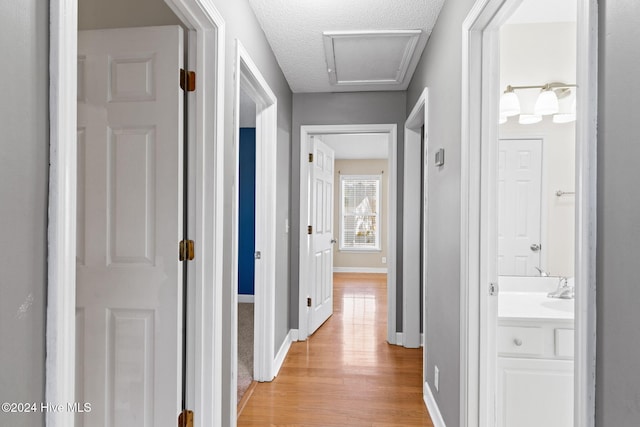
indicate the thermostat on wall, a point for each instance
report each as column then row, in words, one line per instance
column 440, row 157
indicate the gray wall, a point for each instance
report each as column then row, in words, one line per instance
column 618, row 277
column 242, row 24
column 440, row 71
column 23, row 204
column 342, row 109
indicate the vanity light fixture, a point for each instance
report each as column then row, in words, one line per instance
column 546, row 103
column 509, row 103
column 566, row 117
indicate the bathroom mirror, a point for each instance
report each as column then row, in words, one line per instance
column 536, row 177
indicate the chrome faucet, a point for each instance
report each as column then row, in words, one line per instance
column 542, row 272
column 564, row 291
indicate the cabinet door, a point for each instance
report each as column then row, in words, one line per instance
column 535, row 392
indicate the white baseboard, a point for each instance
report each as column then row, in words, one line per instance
column 432, row 407
column 246, row 298
column 294, row 335
column 400, row 342
column 282, row 353
column 359, row 270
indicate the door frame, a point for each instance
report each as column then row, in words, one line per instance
column 480, row 47
column 204, row 353
column 413, row 163
column 306, row 131
column 248, row 77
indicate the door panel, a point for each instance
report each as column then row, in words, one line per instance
column 321, row 286
column 130, row 199
column 519, row 206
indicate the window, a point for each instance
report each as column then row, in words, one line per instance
column 359, row 215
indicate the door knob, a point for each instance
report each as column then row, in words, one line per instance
column 535, row 247
column 334, row 241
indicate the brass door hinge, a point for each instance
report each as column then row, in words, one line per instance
column 310, row 157
column 309, row 302
column 187, row 250
column 310, row 229
column 187, row 80
column 185, row 419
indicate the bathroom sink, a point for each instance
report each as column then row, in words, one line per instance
column 534, row 305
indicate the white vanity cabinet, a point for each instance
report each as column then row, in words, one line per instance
column 535, row 373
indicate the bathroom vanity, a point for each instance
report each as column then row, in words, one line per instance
column 535, row 344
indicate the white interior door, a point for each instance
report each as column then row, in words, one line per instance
column 130, row 220
column 519, row 206
column 322, row 238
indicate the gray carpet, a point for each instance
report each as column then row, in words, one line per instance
column 245, row 347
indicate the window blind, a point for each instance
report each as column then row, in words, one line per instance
column 360, row 198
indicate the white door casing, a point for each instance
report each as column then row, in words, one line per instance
column 519, row 206
column 130, row 220
column 306, row 132
column 480, row 100
column 322, row 236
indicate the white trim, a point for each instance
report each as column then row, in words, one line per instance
column 282, row 353
column 399, row 340
column 305, row 133
column 359, row 270
column 294, row 335
column 205, row 391
column 246, row 299
column 478, row 37
column 432, row 407
column 249, row 77
column 61, row 286
column 413, row 164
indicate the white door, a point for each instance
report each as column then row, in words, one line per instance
column 322, row 238
column 519, row 196
column 130, row 220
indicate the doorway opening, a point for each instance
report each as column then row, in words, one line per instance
column 308, row 219
column 259, row 97
column 246, row 242
column 557, row 357
column 123, row 144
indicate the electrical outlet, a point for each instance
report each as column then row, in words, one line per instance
column 384, row 259
column 436, row 378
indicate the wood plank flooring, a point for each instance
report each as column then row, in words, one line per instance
column 346, row 374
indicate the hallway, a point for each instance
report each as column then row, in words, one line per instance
column 345, row 374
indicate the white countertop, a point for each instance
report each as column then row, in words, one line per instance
column 534, row 305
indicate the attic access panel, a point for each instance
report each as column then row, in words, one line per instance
column 369, row 57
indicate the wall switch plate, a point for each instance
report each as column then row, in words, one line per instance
column 436, row 378
column 384, row 259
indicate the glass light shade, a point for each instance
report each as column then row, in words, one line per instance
column 547, row 103
column 509, row 104
column 529, row 119
column 564, row 118
column 503, row 119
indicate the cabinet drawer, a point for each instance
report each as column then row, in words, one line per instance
column 520, row 340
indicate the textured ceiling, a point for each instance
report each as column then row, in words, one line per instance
column 294, row 29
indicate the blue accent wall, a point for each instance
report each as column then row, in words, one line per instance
column 247, row 211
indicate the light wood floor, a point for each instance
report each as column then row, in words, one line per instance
column 346, row 374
